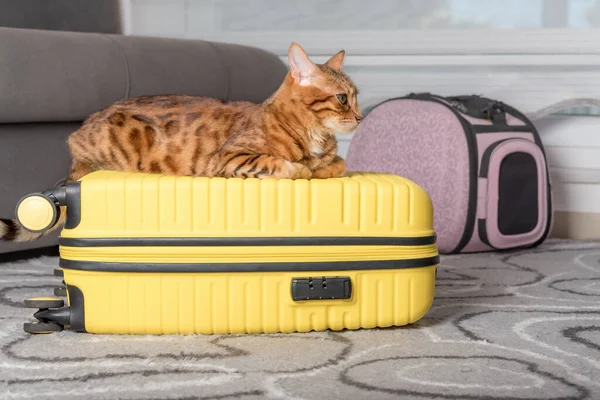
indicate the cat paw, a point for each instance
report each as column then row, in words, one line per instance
column 332, row 171
column 300, row 171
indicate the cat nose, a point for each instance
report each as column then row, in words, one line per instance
column 358, row 118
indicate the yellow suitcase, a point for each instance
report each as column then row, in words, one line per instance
column 155, row 254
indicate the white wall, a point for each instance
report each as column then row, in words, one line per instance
column 527, row 54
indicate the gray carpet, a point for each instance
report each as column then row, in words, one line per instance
column 519, row 325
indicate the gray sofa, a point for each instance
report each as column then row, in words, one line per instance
column 52, row 80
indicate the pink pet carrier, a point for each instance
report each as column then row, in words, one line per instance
column 481, row 161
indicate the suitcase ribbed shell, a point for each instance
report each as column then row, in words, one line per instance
column 147, row 205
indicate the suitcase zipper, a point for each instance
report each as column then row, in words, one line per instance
column 241, row 254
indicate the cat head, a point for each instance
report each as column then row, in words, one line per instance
column 324, row 90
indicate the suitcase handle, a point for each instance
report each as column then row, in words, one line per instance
column 38, row 212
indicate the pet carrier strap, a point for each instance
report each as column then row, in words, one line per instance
column 562, row 105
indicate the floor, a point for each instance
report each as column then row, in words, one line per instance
column 519, row 325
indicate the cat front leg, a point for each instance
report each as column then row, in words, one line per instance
column 336, row 169
column 262, row 166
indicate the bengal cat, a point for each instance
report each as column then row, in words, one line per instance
column 289, row 135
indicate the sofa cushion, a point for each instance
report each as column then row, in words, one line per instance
column 50, row 76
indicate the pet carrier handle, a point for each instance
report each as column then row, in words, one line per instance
column 38, row 212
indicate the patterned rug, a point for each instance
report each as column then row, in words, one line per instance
column 519, row 325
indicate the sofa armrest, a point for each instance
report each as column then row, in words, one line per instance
column 50, row 76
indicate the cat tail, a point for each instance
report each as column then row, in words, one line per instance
column 12, row 231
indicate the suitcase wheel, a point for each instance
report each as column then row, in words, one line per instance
column 41, row 327
column 37, row 212
column 60, row 291
column 44, row 302
column 59, row 272
column 51, row 315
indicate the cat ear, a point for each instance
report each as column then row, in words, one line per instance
column 336, row 61
column 301, row 68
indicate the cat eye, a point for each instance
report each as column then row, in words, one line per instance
column 342, row 98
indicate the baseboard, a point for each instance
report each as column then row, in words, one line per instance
column 21, row 255
column 576, row 225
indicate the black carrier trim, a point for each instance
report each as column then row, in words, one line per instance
column 249, row 241
column 504, row 128
column 248, row 267
column 485, row 158
column 483, row 232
